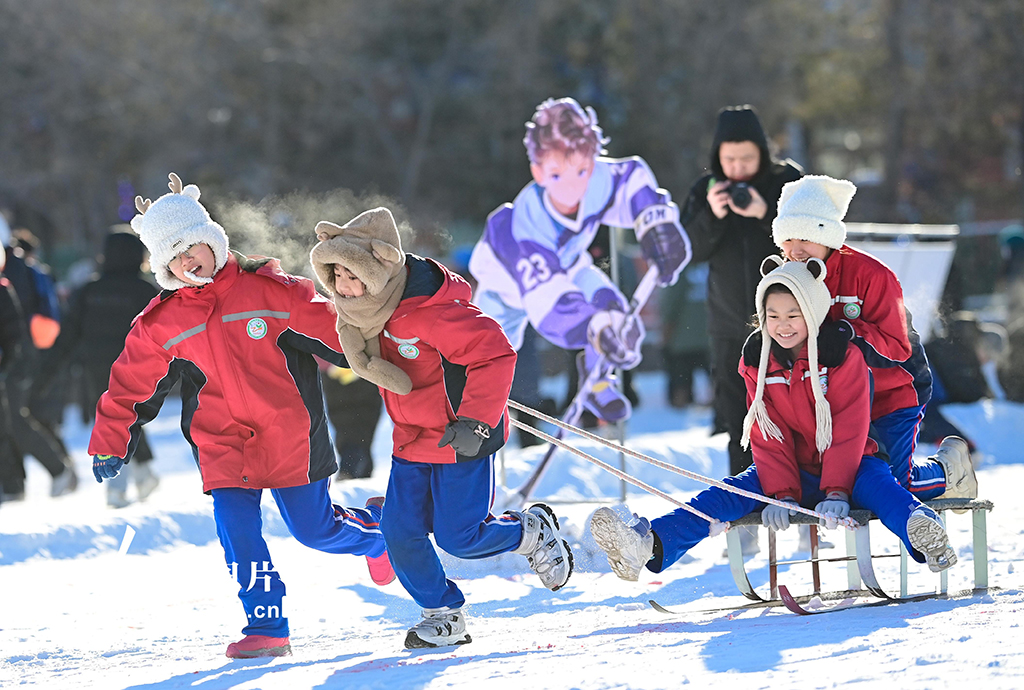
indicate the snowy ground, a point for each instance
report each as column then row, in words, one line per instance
column 77, row 613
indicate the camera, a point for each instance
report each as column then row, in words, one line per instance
column 739, row 192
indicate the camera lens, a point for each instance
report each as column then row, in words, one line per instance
column 739, row 192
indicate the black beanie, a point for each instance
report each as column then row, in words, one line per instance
column 739, row 123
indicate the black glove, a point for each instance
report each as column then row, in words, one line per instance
column 833, row 337
column 752, row 349
column 465, row 435
column 663, row 241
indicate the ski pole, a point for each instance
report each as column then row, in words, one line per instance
column 575, row 410
column 847, row 522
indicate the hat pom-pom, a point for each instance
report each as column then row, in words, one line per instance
column 192, row 191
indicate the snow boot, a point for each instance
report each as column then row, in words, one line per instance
column 442, row 627
column 927, row 535
column 604, row 399
column 548, row 554
column 381, row 571
column 117, row 490
column 252, row 646
column 65, row 482
column 145, row 481
column 628, row 546
column 955, row 458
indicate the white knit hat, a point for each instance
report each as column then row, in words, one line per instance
column 812, row 209
column 172, row 224
column 806, row 281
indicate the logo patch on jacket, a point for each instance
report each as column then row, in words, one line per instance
column 256, row 328
column 851, row 310
column 408, row 350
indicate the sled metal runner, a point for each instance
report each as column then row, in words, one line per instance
column 859, row 559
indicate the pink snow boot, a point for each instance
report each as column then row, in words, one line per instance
column 252, row 646
column 381, row 571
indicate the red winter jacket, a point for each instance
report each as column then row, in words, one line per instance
column 252, row 406
column 459, row 360
column 789, row 400
column 868, row 294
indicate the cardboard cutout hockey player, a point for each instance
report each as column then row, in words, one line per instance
column 532, row 263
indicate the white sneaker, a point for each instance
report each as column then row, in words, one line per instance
column 442, row 627
column 955, row 458
column 927, row 535
column 628, row 547
column 145, row 481
column 548, row 554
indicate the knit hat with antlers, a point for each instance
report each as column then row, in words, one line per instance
column 369, row 246
column 806, row 282
column 172, row 224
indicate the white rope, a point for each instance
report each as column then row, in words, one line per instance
column 847, row 522
column 622, row 475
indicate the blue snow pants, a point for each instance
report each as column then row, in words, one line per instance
column 898, row 431
column 311, row 518
column 452, row 501
column 874, row 488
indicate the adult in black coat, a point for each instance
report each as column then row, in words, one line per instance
column 100, row 314
column 728, row 216
column 12, row 471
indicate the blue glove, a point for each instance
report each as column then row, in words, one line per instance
column 835, row 504
column 776, row 517
column 465, row 435
column 106, row 466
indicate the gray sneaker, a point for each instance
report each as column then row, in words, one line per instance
column 548, row 554
column 927, row 535
column 442, row 627
column 628, row 547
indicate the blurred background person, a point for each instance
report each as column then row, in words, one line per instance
column 40, row 325
column 728, row 215
column 353, row 406
column 92, row 337
column 684, row 332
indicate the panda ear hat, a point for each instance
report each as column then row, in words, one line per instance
column 806, row 282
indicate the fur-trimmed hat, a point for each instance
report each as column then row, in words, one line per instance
column 806, row 282
column 172, row 224
column 368, row 245
column 812, row 209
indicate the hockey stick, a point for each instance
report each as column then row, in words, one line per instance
column 847, row 522
column 575, row 410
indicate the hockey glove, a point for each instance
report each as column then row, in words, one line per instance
column 465, row 435
column 833, row 337
column 617, row 336
column 106, row 467
column 663, row 241
column 776, row 517
column 837, row 506
column 752, row 349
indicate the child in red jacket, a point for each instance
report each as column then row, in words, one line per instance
column 800, row 455
column 445, row 370
column 867, row 308
column 239, row 334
